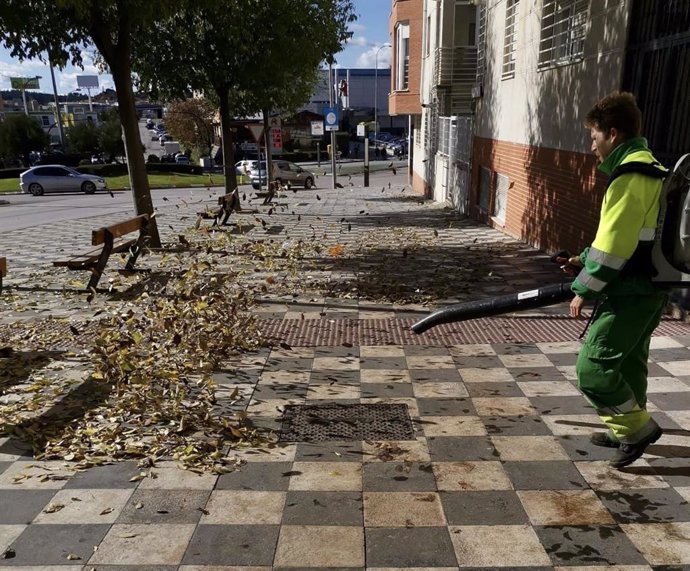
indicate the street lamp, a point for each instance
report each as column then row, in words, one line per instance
column 376, row 89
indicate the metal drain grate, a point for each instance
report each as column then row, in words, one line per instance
column 321, row 422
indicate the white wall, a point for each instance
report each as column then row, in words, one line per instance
column 547, row 108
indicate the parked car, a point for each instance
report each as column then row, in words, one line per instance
column 56, row 178
column 160, row 127
column 149, row 123
column 286, row 173
column 245, row 166
column 182, row 160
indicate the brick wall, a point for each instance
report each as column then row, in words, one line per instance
column 554, row 196
column 407, row 102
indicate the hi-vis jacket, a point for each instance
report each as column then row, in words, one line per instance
column 627, row 225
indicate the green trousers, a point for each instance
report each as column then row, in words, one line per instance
column 612, row 364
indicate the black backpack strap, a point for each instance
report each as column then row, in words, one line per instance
column 654, row 170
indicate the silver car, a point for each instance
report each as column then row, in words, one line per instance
column 58, row 178
column 286, row 173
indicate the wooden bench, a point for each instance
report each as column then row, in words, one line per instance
column 226, row 205
column 113, row 241
column 3, row 270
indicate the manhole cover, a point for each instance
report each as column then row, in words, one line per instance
column 320, row 422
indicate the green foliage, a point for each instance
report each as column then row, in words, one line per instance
column 110, row 134
column 190, row 122
column 21, row 134
column 84, row 137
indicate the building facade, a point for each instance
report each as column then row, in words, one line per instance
column 501, row 133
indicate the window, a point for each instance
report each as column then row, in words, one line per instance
column 510, row 39
column 45, row 120
column 481, row 45
column 563, row 25
column 402, row 56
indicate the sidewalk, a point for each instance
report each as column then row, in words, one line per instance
column 495, row 469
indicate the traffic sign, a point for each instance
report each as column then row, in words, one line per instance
column 277, row 140
column 331, row 118
column 317, row 128
column 274, row 122
column 257, row 131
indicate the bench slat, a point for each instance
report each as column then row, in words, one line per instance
column 88, row 258
column 118, row 230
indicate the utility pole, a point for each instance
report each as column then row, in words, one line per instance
column 334, row 150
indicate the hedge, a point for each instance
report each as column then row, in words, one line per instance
column 116, row 169
column 13, row 172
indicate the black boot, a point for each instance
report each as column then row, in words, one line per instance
column 603, row 439
column 628, row 453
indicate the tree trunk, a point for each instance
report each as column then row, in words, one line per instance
column 268, row 144
column 228, row 145
column 143, row 204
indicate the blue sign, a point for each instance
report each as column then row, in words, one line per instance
column 331, row 118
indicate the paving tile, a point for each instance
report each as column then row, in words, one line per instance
column 113, row 476
column 527, row 360
column 671, row 401
column 418, row 547
column 268, row 476
column 457, row 476
column 333, row 392
column 381, row 351
column 490, row 375
column 232, row 545
column 452, row 426
column 323, row 508
column 241, row 507
column 503, row 406
column 340, row 378
column 435, row 375
column 51, row 544
column 487, row 507
column 516, row 426
column 564, row 507
column 385, row 376
column 472, row 350
column 644, row 506
column 573, row 424
column 22, row 506
column 170, row 476
column 676, row 368
column 23, row 475
column 445, row 406
column 425, row 351
column 528, row 448
column 550, row 475
column 600, row 476
column 84, row 506
column 289, row 377
column 579, row 448
column 164, row 506
column 396, row 451
column 478, row 361
column 674, row 471
column 350, row 451
column 588, row 545
column 666, row 385
column 273, row 453
column 12, row 449
column 538, row 374
column 661, row 543
column 548, row 388
column 4, row 466
column 484, row 390
column 350, row 363
column 326, row 476
column 8, row 533
column 266, row 391
column 461, row 448
column 387, row 390
column 293, row 364
column 387, row 363
column 402, row 509
column 562, row 405
column 430, row 362
column 398, row 477
column 302, row 545
column 559, row 347
column 479, row 546
column 439, row 390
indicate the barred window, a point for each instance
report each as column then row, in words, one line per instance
column 481, row 45
column 45, row 120
column 510, row 40
column 563, row 26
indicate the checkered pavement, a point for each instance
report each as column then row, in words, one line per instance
column 500, row 474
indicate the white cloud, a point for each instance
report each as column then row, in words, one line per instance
column 355, row 27
column 369, row 58
column 358, row 41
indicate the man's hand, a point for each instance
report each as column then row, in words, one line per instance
column 570, row 266
column 576, row 306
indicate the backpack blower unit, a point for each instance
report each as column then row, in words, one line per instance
column 670, row 256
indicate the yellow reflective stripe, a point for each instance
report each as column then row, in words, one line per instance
column 647, row 234
column 589, row 281
column 629, row 405
column 608, row 260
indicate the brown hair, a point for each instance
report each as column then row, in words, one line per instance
column 617, row 110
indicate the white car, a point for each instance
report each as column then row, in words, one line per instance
column 58, row 178
column 243, row 167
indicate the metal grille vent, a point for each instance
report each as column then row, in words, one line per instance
column 323, row 422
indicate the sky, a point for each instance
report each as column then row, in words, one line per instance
column 370, row 32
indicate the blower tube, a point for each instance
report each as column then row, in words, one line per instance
column 532, row 299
